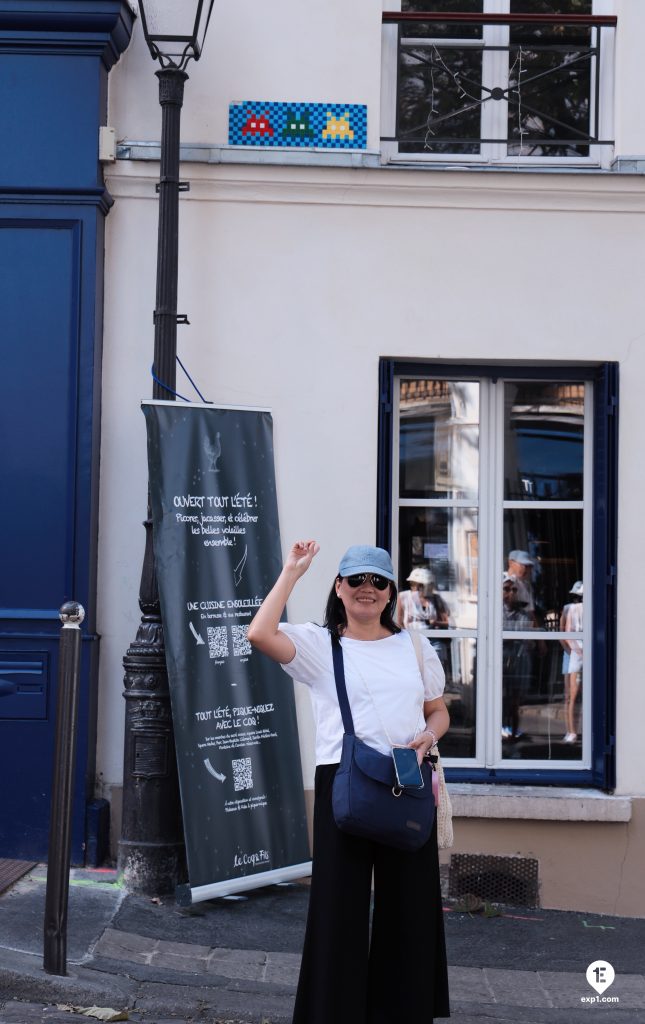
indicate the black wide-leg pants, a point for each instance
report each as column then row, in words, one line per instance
column 399, row 973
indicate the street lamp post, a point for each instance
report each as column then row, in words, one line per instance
column 151, row 849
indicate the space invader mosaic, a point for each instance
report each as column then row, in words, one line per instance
column 310, row 125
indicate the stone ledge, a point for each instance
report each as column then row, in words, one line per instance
column 537, row 803
column 221, row 153
column 205, row 153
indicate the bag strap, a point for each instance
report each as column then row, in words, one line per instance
column 416, row 643
column 341, row 689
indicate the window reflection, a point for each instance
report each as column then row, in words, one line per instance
column 444, row 30
column 434, row 78
column 549, row 88
column 441, row 542
column 539, row 654
column 439, row 438
column 537, row 698
column 544, row 554
column 458, row 658
column 431, row 92
column 543, row 441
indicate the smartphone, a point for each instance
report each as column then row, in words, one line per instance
column 406, row 766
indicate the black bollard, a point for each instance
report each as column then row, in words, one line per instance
column 60, row 824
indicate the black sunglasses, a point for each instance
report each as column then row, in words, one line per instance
column 360, row 578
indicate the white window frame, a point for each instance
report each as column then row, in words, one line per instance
column 494, row 115
column 491, row 556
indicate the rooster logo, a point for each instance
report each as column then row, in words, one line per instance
column 238, row 571
column 213, row 451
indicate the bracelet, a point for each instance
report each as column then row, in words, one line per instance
column 433, row 734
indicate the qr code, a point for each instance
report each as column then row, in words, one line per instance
column 217, row 641
column 242, row 774
column 241, row 645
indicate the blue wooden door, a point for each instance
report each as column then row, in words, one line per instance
column 46, row 509
column 56, row 56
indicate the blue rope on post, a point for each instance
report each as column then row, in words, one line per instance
column 161, row 384
column 171, row 391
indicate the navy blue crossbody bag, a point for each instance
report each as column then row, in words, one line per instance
column 366, row 798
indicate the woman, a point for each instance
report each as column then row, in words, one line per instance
column 400, row 972
column 571, row 622
column 421, row 607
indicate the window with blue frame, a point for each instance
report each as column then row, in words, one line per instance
column 497, row 500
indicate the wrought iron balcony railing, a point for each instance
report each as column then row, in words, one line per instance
column 490, row 86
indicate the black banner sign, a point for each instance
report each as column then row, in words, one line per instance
column 217, row 553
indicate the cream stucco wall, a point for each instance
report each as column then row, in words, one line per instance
column 324, row 51
column 296, row 280
column 317, row 273
column 629, row 122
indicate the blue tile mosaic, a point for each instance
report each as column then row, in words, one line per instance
column 301, row 125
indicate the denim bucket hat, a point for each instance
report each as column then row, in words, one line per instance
column 521, row 557
column 363, row 558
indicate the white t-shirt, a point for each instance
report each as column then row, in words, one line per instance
column 573, row 624
column 389, row 667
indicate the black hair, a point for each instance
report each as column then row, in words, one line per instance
column 335, row 619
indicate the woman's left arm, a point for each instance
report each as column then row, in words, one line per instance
column 437, row 719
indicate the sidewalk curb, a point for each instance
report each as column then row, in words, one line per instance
column 239, row 961
column 134, row 989
column 22, row 977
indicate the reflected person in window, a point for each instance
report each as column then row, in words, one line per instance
column 421, row 607
column 516, row 657
column 520, row 566
column 571, row 622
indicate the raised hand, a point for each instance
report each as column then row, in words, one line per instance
column 301, row 556
column 264, row 630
